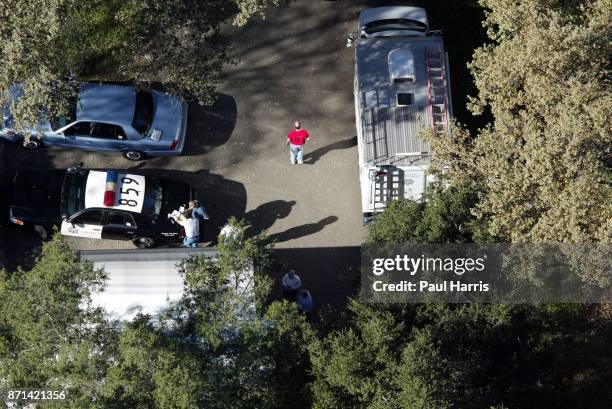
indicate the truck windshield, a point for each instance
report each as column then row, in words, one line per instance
column 73, row 192
column 394, row 25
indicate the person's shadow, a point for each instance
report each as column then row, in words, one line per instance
column 312, row 157
column 265, row 215
column 303, row 230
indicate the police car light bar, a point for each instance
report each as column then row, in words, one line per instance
column 109, row 189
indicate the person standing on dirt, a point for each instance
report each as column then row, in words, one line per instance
column 296, row 140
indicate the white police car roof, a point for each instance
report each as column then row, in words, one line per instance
column 96, row 186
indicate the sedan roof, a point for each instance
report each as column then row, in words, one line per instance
column 106, row 103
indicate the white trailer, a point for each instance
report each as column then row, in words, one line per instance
column 146, row 281
column 401, row 86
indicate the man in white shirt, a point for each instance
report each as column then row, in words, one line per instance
column 191, row 226
column 291, row 285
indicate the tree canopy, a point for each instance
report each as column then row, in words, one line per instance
column 542, row 168
column 463, row 356
column 221, row 346
column 52, row 45
column 442, row 215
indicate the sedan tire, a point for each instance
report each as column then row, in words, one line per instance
column 134, row 155
column 144, row 242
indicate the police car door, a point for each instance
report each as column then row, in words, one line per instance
column 118, row 225
column 86, row 224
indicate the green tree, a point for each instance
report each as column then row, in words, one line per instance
column 154, row 369
column 441, row 215
column 52, row 45
column 221, row 346
column 50, row 335
column 245, row 344
column 356, row 366
column 542, row 167
column 463, row 356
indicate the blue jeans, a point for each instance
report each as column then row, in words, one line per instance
column 200, row 213
column 191, row 242
column 297, row 152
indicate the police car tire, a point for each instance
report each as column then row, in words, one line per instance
column 134, row 155
column 42, row 232
column 144, row 242
column 32, row 145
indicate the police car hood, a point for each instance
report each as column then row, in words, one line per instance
column 38, row 194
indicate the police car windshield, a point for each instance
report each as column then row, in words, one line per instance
column 152, row 202
column 73, row 192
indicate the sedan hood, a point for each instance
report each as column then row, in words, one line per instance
column 36, row 196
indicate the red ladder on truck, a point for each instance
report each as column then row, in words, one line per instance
column 436, row 80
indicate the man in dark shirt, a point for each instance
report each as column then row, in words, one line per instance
column 296, row 140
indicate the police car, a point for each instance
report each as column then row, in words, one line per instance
column 99, row 204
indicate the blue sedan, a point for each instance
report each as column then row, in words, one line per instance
column 110, row 118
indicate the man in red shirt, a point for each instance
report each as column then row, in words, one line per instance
column 296, row 140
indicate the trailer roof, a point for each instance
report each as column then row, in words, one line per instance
column 146, row 281
column 393, row 111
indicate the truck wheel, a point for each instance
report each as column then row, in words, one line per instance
column 144, row 242
column 30, row 145
column 42, row 232
column 134, row 155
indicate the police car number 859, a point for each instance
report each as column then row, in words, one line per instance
column 115, row 190
column 127, row 193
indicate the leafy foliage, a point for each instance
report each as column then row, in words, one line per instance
column 50, row 336
column 52, row 45
column 542, row 167
column 442, row 215
column 219, row 339
column 470, row 356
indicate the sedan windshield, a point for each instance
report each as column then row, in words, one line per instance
column 73, row 193
column 143, row 113
column 394, row 25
